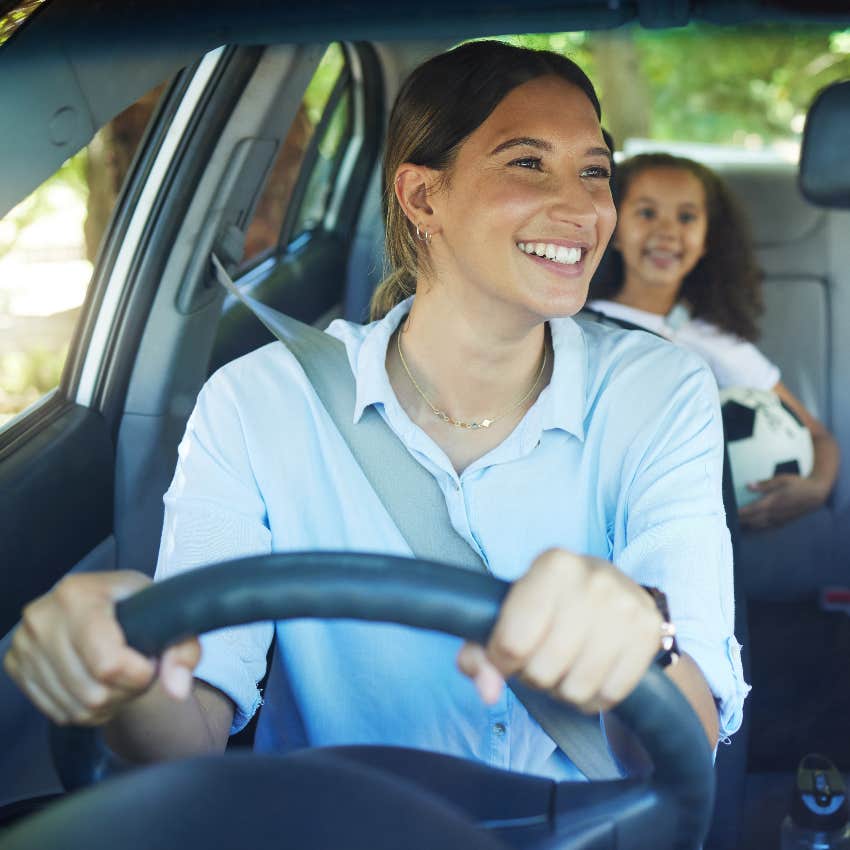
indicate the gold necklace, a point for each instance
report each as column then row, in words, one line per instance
column 459, row 423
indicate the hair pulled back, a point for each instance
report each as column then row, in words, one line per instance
column 724, row 287
column 441, row 103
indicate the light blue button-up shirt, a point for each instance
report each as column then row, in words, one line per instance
column 620, row 457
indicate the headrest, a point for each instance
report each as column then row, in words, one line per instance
column 824, row 161
column 768, row 193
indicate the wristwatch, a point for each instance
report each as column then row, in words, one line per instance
column 669, row 652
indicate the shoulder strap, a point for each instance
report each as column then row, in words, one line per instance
column 413, row 499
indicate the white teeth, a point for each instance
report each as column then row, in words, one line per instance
column 557, row 253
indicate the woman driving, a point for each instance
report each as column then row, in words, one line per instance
column 580, row 462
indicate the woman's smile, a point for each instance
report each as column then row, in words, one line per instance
column 560, row 257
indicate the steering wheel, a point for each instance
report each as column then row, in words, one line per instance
column 672, row 808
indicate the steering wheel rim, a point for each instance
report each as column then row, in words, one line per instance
column 385, row 588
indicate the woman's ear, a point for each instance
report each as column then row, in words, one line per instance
column 413, row 185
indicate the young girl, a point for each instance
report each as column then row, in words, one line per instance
column 683, row 267
column 594, row 469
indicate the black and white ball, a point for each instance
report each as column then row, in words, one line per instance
column 764, row 438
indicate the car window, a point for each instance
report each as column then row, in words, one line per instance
column 330, row 150
column 48, row 246
column 325, row 111
column 712, row 93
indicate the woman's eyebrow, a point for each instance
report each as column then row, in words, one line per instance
column 523, row 141
column 600, row 152
column 543, row 145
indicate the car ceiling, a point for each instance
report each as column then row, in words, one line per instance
column 77, row 63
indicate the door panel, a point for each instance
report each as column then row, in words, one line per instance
column 305, row 285
column 55, row 504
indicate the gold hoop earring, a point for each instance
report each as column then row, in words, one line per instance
column 426, row 238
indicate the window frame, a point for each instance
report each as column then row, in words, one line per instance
column 367, row 119
column 293, row 228
column 65, row 395
column 311, row 156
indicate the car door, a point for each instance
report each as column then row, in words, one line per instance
column 57, row 423
column 83, row 470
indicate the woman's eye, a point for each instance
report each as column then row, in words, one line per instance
column 532, row 162
column 687, row 218
column 645, row 212
column 597, row 171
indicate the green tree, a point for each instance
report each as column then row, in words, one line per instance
column 724, row 85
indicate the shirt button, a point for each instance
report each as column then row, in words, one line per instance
column 500, row 729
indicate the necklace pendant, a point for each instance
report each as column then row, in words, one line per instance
column 485, row 423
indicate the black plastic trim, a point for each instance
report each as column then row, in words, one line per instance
column 305, row 285
column 56, row 503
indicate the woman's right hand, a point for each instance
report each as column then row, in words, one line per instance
column 69, row 656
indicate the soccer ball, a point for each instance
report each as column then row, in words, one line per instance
column 764, row 438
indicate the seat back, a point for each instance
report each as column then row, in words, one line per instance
column 804, row 253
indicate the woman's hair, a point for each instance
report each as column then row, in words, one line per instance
column 724, row 287
column 438, row 107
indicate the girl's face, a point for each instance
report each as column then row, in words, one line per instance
column 662, row 228
column 526, row 212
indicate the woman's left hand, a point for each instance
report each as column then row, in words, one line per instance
column 574, row 626
column 785, row 497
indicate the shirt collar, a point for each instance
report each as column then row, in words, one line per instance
column 560, row 405
column 369, row 363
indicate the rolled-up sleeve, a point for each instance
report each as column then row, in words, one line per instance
column 214, row 512
column 675, row 536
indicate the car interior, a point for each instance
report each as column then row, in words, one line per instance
column 83, row 471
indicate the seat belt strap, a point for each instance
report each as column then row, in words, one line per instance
column 415, row 503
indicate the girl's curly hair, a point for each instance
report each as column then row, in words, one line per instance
column 724, row 287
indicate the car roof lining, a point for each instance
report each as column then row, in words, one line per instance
column 209, row 23
column 56, row 85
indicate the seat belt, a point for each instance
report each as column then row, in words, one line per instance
column 416, row 504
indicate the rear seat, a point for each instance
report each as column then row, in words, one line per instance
column 804, row 252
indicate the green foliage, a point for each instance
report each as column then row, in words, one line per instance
column 25, row 376
column 323, row 81
column 42, row 202
column 574, row 45
column 721, row 85
column 716, row 84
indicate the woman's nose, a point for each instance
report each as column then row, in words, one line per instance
column 574, row 204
